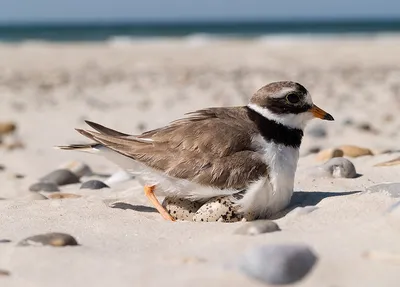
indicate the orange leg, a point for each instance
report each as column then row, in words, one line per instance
column 149, row 192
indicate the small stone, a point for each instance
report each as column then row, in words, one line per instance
column 61, row 177
column 44, row 186
column 392, row 162
column 327, row 154
column 180, row 208
column 7, row 128
column 141, row 127
column 314, row 149
column 5, row 241
column 278, row 264
column 94, row 184
column 78, row 168
column 4, row 272
column 392, row 189
column 317, row 132
column 367, row 128
column 340, row 168
column 258, row 227
column 2, row 167
column 53, row 239
column 299, row 211
column 19, row 176
column 355, row 151
column 348, row 122
column 62, row 195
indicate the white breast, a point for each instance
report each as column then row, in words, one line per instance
column 272, row 194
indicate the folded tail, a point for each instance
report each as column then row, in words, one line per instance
column 105, row 134
column 90, row 148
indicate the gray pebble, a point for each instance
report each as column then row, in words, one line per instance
column 337, row 167
column 278, row 264
column 94, row 184
column 53, row 239
column 2, row 167
column 78, row 168
column 44, row 186
column 317, row 132
column 61, row 177
column 340, row 167
column 366, row 127
column 314, row 149
column 5, row 241
column 258, row 227
column 348, row 122
column 392, row 189
column 19, row 176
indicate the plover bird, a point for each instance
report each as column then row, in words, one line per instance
column 219, row 151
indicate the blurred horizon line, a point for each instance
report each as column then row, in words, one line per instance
column 103, row 31
column 183, row 21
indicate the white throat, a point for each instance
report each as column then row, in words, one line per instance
column 270, row 195
column 295, row 121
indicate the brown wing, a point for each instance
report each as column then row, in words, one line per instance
column 197, row 148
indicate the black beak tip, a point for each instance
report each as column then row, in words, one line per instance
column 328, row 117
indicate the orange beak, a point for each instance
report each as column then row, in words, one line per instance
column 320, row 113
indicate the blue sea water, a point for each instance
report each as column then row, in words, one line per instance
column 61, row 32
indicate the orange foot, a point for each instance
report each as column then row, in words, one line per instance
column 149, row 192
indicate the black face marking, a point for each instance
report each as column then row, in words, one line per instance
column 275, row 132
column 281, row 106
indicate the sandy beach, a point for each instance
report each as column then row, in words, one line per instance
column 47, row 90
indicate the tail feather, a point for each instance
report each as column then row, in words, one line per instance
column 103, row 136
column 104, row 130
column 88, row 134
column 91, row 148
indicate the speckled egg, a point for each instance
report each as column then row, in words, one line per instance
column 181, row 209
column 220, row 209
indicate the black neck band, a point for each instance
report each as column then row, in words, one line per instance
column 275, row 132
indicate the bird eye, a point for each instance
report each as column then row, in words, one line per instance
column 293, row 98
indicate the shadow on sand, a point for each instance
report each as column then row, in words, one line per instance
column 299, row 199
column 302, row 198
column 139, row 208
column 311, row 198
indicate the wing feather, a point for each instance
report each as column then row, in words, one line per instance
column 198, row 148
